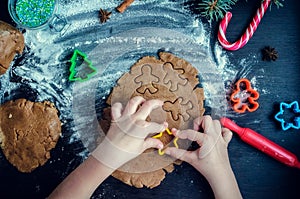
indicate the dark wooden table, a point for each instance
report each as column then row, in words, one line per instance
column 258, row 175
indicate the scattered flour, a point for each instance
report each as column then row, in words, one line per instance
column 146, row 27
column 44, row 67
column 42, row 71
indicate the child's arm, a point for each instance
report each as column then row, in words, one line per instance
column 211, row 159
column 82, row 182
column 125, row 140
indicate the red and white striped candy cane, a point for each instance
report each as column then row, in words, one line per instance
column 249, row 32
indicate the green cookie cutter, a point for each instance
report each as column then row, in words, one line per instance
column 73, row 72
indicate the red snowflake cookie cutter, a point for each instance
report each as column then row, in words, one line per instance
column 244, row 97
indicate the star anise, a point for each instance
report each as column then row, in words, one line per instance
column 104, row 15
column 269, row 53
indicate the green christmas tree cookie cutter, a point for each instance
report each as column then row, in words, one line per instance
column 74, row 62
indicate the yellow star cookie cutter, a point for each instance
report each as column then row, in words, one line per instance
column 162, row 152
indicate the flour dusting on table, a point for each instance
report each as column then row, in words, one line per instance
column 42, row 71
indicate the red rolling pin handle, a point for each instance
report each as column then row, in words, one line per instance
column 262, row 143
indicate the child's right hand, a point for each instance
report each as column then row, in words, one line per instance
column 211, row 158
column 213, row 144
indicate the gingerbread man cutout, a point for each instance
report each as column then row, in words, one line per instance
column 171, row 74
column 176, row 113
column 146, row 80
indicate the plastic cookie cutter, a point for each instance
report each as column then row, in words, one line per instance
column 162, row 152
column 85, row 70
column 294, row 122
column 244, row 97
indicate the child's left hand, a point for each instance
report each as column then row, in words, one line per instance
column 128, row 133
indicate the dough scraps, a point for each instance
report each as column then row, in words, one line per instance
column 28, row 131
column 173, row 80
column 11, row 42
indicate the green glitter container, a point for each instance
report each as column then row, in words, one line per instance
column 32, row 14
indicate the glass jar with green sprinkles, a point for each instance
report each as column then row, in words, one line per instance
column 32, row 14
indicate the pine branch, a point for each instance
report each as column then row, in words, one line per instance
column 277, row 3
column 215, row 9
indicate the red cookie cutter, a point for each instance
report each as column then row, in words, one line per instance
column 244, row 97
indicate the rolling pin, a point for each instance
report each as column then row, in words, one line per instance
column 262, row 143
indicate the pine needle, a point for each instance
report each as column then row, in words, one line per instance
column 215, row 9
column 277, row 3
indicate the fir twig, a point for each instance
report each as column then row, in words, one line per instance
column 215, row 9
column 277, row 3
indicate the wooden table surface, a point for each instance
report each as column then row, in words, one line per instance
column 258, row 175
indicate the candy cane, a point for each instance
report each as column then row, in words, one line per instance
column 249, row 32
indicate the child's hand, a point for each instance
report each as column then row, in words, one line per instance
column 128, row 133
column 211, row 159
column 213, row 143
column 126, row 139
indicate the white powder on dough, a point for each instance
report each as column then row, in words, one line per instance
column 45, row 67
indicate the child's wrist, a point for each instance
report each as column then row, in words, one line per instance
column 218, row 171
column 223, row 183
column 111, row 155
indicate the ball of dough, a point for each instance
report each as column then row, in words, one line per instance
column 11, row 42
column 28, row 131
